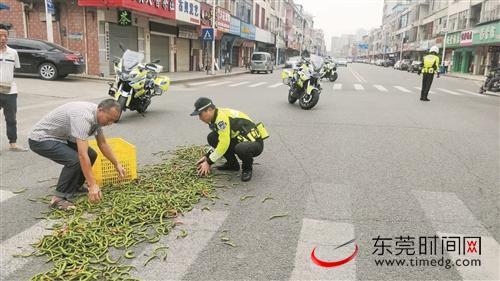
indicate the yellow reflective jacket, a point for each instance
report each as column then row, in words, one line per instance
column 430, row 64
column 231, row 124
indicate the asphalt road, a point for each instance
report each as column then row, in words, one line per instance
column 369, row 161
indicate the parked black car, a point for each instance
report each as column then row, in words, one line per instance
column 50, row 61
column 405, row 64
column 415, row 66
column 389, row 62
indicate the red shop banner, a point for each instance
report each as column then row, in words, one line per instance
column 159, row 8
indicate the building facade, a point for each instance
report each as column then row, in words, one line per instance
column 169, row 30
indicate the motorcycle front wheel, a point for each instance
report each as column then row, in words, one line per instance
column 291, row 98
column 123, row 104
column 333, row 77
column 307, row 102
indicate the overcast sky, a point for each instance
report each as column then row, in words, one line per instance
column 338, row 17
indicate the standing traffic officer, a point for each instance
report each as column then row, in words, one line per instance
column 429, row 67
column 233, row 133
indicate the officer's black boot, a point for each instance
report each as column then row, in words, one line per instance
column 230, row 165
column 246, row 174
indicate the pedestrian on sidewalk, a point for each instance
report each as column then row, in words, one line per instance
column 61, row 136
column 233, row 133
column 430, row 65
column 9, row 60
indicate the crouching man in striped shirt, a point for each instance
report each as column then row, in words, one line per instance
column 62, row 137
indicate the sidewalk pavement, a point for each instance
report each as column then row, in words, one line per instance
column 480, row 78
column 177, row 77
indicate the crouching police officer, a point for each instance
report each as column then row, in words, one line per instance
column 429, row 67
column 233, row 132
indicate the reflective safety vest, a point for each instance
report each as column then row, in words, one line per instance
column 431, row 64
column 233, row 124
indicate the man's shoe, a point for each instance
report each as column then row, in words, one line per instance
column 229, row 167
column 246, row 175
column 427, row 99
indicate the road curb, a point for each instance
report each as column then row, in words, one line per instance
column 173, row 81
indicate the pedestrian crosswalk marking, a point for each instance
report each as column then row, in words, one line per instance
column 450, row 217
column 402, row 89
column 257, row 84
column 182, row 253
column 380, row 88
column 470, row 92
column 240, row 83
column 5, row 194
column 11, row 246
column 358, row 87
column 430, row 92
column 337, row 86
column 200, row 83
column 219, row 83
column 325, row 236
column 449, row 92
column 275, row 85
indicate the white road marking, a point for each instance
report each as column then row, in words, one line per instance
column 337, row 86
column 430, row 92
column 358, row 87
column 218, row 83
column 276, row 85
column 471, row 93
column 449, row 92
column 23, row 239
column 325, row 236
column 5, row 194
column 380, row 88
column 200, row 83
column 257, row 84
column 201, row 226
column 402, row 89
column 240, row 83
column 449, row 217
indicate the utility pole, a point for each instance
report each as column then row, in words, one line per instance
column 48, row 19
column 402, row 42
column 213, row 39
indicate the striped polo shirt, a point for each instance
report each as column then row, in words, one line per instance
column 8, row 60
column 68, row 122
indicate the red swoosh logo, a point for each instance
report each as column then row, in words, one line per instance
column 333, row 263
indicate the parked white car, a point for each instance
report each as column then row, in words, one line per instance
column 342, row 62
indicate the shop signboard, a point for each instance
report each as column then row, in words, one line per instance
column 466, row 38
column 188, row 11
column 453, row 40
column 247, row 31
column 486, row 34
column 264, row 36
column 206, row 14
column 222, row 19
column 235, row 27
column 159, row 8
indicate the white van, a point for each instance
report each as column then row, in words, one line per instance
column 261, row 61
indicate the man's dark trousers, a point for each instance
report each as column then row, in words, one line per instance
column 8, row 102
column 246, row 151
column 71, row 178
column 426, row 84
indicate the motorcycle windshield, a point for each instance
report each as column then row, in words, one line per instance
column 317, row 62
column 130, row 59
